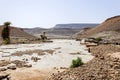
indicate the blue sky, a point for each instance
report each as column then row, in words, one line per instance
column 47, row 13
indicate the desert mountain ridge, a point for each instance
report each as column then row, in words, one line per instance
column 60, row 30
column 76, row 25
column 109, row 29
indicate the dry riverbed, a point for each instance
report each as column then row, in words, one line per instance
column 38, row 61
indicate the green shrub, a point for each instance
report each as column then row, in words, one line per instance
column 76, row 63
column 98, row 39
column 6, row 41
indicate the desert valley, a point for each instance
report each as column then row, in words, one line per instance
column 78, row 51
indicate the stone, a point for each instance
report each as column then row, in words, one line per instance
column 11, row 66
column 35, row 59
column 3, row 69
column 27, row 65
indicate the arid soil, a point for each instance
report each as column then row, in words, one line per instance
column 39, row 61
column 105, row 66
column 27, row 74
column 109, row 29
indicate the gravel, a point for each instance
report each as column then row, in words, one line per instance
column 102, row 67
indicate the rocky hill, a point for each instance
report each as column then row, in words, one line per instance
column 110, row 29
column 17, row 32
column 60, row 30
column 36, row 30
column 52, row 32
column 75, row 26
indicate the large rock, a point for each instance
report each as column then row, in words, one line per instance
column 11, row 66
column 3, row 69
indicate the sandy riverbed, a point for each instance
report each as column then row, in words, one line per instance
column 64, row 52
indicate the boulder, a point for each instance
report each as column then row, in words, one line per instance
column 11, row 66
column 3, row 69
column 27, row 65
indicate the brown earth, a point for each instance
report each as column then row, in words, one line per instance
column 17, row 32
column 105, row 66
column 17, row 35
column 27, row 74
column 30, row 73
column 111, row 24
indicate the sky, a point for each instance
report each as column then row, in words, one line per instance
column 48, row 13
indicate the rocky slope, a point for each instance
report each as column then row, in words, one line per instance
column 103, row 67
column 17, row 33
column 110, row 29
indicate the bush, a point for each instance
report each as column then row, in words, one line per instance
column 6, row 41
column 76, row 63
column 98, row 39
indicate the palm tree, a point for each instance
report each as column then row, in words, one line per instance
column 6, row 33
